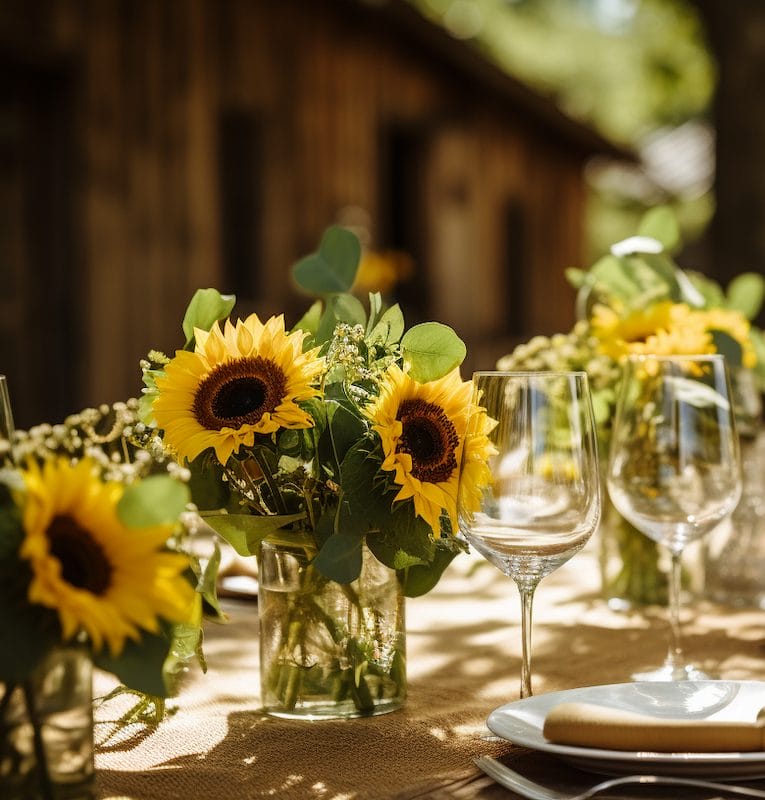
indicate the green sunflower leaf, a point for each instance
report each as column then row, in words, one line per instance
column 244, row 532
column 333, row 268
column 156, row 500
column 431, row 350
column 207, row 306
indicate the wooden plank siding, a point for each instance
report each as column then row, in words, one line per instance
column 208, row 129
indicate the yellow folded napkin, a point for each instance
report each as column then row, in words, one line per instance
column 588, row 725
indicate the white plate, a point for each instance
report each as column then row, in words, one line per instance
column 521, row 723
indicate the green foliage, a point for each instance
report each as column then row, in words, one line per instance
column 624, row 75
column 322, row 487
column 431, row 350
column 746, row 293
column 207, row 306
column 140, row 664
column 245, row 532
column 333, row 267
column 157, row 500
column 660, row 223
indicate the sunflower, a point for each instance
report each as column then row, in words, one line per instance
column 735, row 324
column 243, row 380
column 100, row 576
column 663, row 328
column 423, row 428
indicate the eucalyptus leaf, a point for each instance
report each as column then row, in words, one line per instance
column 309, row 322
column 333, row 268
column 711, row 291
column 419, row 579
column 208, row 489
column 350, row 309
column 746, row 293
column 156, row 500
column 389, row 328
column 660, row 223
column 727, row 346
column 345, row 428
column 209, row 581
column 431, row 350
column 207, row 306
column 375, row 309
column 340, row 558
column 244, row 532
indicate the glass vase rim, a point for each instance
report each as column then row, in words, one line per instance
column 521, row 373
column 643, row 357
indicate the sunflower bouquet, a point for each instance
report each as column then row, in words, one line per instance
column 90, row 573
column 637, row 300
column 341, row 439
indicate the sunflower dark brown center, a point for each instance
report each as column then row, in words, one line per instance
column 239, row 393
column 83, row 561
column 429, row 437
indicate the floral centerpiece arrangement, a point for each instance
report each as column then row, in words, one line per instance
column 340, row 443
column 636, row 299
column 91, row 572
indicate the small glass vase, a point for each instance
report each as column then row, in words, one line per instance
column 46, row 730
column 329, row 650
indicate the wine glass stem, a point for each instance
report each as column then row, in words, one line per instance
column 675, row 655
column 527, row 600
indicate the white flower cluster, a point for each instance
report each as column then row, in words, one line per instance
column 576, row 350
column 112, row 436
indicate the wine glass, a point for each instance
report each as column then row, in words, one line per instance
column 6, row 422
column 543, row 501
column 674, row 467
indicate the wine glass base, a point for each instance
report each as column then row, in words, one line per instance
column 672, row 672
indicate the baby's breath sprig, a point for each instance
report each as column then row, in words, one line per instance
column 123, row 447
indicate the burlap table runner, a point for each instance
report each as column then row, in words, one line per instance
column 463, row 650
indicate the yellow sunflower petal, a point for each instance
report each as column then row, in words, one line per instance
column 422, row 427
column 100, row 577
column 244, row 380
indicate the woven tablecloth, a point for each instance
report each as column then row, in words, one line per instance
column 463, row 650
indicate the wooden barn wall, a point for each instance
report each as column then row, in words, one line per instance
column 154, row 79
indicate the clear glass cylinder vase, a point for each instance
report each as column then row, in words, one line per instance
column 329, row 650
column 46, row 729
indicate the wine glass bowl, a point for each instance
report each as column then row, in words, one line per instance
column 674, row 466
column 6, row 423
column 543, row 501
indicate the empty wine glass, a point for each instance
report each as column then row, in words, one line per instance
column 6, row 423
column 674, row 468
column 543, row 501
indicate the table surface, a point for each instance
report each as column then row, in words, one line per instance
column 463, row 651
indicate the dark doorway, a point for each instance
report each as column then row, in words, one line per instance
column 402, row 218
column 240, row 168
column 40, row 292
